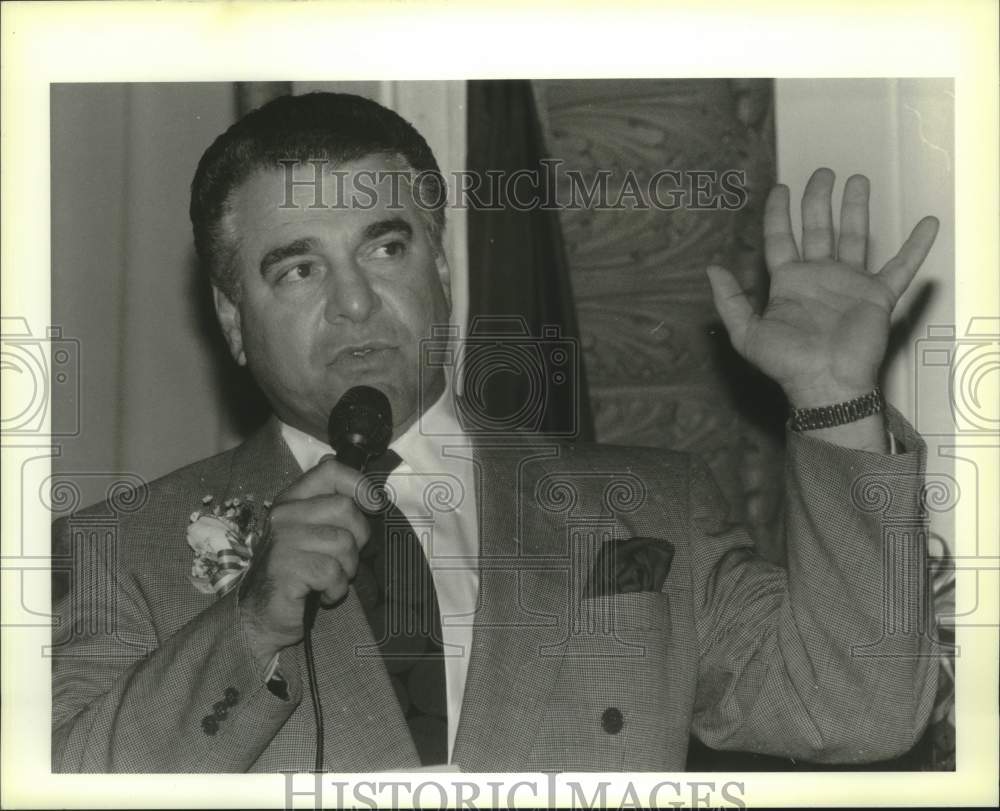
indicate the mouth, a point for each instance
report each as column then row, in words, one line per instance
column 357, row 353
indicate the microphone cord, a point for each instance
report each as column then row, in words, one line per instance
column 359, row 427
column 312, row 606
column 309, row 620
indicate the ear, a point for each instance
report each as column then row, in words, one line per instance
column 228, row 314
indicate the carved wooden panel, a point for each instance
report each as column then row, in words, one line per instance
column 659, row 367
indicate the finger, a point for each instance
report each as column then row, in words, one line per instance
column 900, row 270
column 296, row 574
column 852, row 245
column 732, row 303
column 817, row 216
column 779, row 242
column 333, row 542
column 337, row 512
column 324, row 574
column 327, row 478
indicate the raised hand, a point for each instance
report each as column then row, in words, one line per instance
column 824, row 331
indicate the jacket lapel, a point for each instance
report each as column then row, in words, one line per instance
column 520, row 630
column 364, row 726
column 262, row 466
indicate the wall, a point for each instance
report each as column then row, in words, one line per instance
column 123, row 277
column 900, row 133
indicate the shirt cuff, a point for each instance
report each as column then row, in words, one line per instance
column 275, row 682
column 272, row 668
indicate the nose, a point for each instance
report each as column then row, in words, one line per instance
column 350, row 295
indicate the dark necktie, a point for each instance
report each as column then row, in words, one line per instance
column 397, row 592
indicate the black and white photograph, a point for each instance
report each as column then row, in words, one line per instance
column 537, row 426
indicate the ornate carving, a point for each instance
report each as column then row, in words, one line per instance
column 645, row 309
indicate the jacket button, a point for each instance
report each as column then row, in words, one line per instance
column 232, row 696
column 210, row 724
column 612, row 720
column 220, row 709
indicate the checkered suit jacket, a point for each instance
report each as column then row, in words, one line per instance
column 826, row 661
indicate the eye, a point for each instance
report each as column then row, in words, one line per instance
column 389, row 250
column 296, row 273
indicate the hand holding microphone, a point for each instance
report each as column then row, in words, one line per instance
column 316, row 531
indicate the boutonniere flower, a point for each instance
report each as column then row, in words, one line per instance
column 223, row 539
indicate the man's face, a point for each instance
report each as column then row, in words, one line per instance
column 333, row 297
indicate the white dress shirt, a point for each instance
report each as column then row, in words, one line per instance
column 434, row 487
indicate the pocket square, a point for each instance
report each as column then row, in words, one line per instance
column 630, row 565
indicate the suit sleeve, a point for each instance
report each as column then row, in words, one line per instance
column 125, row 701
column 830, row 660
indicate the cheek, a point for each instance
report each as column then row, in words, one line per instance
column 418, row 331
column 273, row 343
column 423, row 305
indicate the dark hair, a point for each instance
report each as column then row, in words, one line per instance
column 335, row 127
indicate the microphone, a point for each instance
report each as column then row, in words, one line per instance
column 359, row 429
column 360, row 426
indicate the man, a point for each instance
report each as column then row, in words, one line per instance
column 594, row 608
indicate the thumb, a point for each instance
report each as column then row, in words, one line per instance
column 731, row 302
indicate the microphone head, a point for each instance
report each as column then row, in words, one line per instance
column 362, row 418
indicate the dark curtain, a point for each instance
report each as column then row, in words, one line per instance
column 523, row 369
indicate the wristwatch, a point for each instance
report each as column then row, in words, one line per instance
column 829, row 416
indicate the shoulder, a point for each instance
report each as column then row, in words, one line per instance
column 144, row 512
column 653, row 476
column 139, row 529
column 531, row 460
column 630, row 454
column 564, row 451
column 125, row 498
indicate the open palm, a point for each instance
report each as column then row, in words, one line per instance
column 824, row 331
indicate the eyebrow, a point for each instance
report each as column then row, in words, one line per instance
column 382, row 227
column 309, row 244
column 282, row 252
